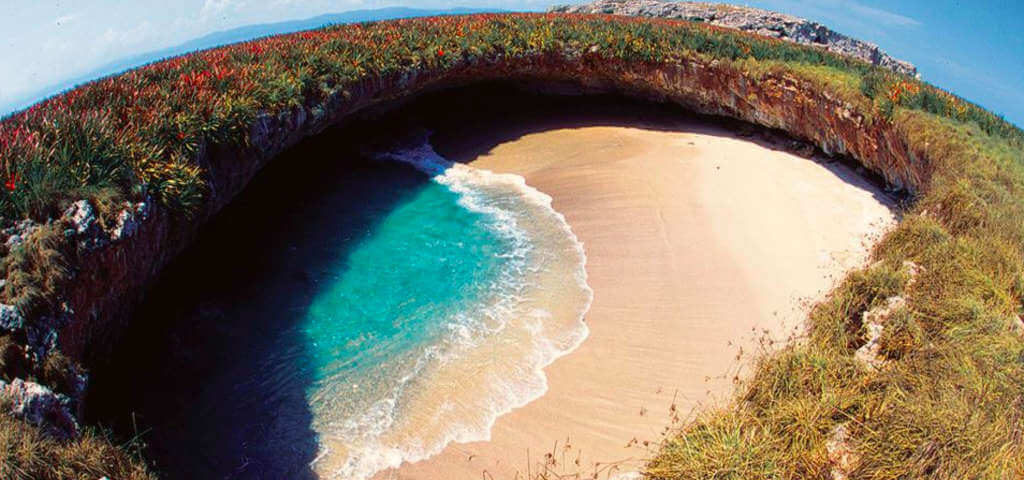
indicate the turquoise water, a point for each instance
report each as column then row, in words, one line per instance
column 476, row 285
column 398, row 295
column 339, row 321
column 397, row 290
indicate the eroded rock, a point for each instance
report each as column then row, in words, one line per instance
column 129, row 220
column 44, row 331
column 874, row 321
column 754, row 20
column 39, row 406
column 85, row 224
column 17, row 233
column 841, row 453
column 10, row 319
column 913, row 270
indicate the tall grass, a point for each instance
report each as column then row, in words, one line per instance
column 28, row 454
column 137, row 134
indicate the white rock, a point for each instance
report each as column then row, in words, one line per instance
column 874, row 322
column 841, row 454
column 40, row 406
column 10, row 318
column 81, row 216
column 129, row 220
column 754, row 20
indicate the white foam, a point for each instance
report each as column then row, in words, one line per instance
column 472, row 185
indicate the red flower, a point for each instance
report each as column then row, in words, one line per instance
column 12, row 182
column 440, row 52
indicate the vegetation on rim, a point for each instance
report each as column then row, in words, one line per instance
column 947, row 404
column 137, row 134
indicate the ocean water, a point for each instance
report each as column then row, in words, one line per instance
column 490, row 289
column 388, row 316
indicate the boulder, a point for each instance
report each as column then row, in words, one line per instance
column 129, row 220
column 39, row 406
column 10, row 319
column 85, row 225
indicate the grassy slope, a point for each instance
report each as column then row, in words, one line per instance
column 948, row 404
column 25, row 453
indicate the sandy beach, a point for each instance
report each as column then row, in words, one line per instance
column 699, row 244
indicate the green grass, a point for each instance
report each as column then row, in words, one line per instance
column 27, row 454
column 946, row 405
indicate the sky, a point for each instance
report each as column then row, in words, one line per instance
column 973, row 48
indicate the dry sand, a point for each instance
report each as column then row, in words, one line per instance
column 698, row 243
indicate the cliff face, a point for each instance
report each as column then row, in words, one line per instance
column 111, row 278
column 754, row 20
column 114, row 266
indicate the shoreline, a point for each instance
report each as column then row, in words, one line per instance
column 495, row 363
column 684, row 269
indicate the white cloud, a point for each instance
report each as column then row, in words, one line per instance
column 118, row 39
column 836, row 13
column 215, row 8
column 877, row 14
column 65, row 19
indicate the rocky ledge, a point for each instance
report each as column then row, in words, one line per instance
column 754, row 20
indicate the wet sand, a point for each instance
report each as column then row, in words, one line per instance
column 699, row 244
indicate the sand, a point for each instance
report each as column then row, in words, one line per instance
column 700, row 245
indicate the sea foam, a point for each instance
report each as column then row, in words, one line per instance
column 529, row 330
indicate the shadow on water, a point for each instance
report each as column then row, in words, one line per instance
column 215, row 369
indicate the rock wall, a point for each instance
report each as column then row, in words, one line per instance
column 114, row 267
column 754, row 20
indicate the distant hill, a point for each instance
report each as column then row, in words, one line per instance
column 225, row 37
column 756, row 20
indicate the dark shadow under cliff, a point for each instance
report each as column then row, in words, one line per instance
column 213, row 372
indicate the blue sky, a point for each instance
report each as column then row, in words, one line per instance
column 972, row 48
